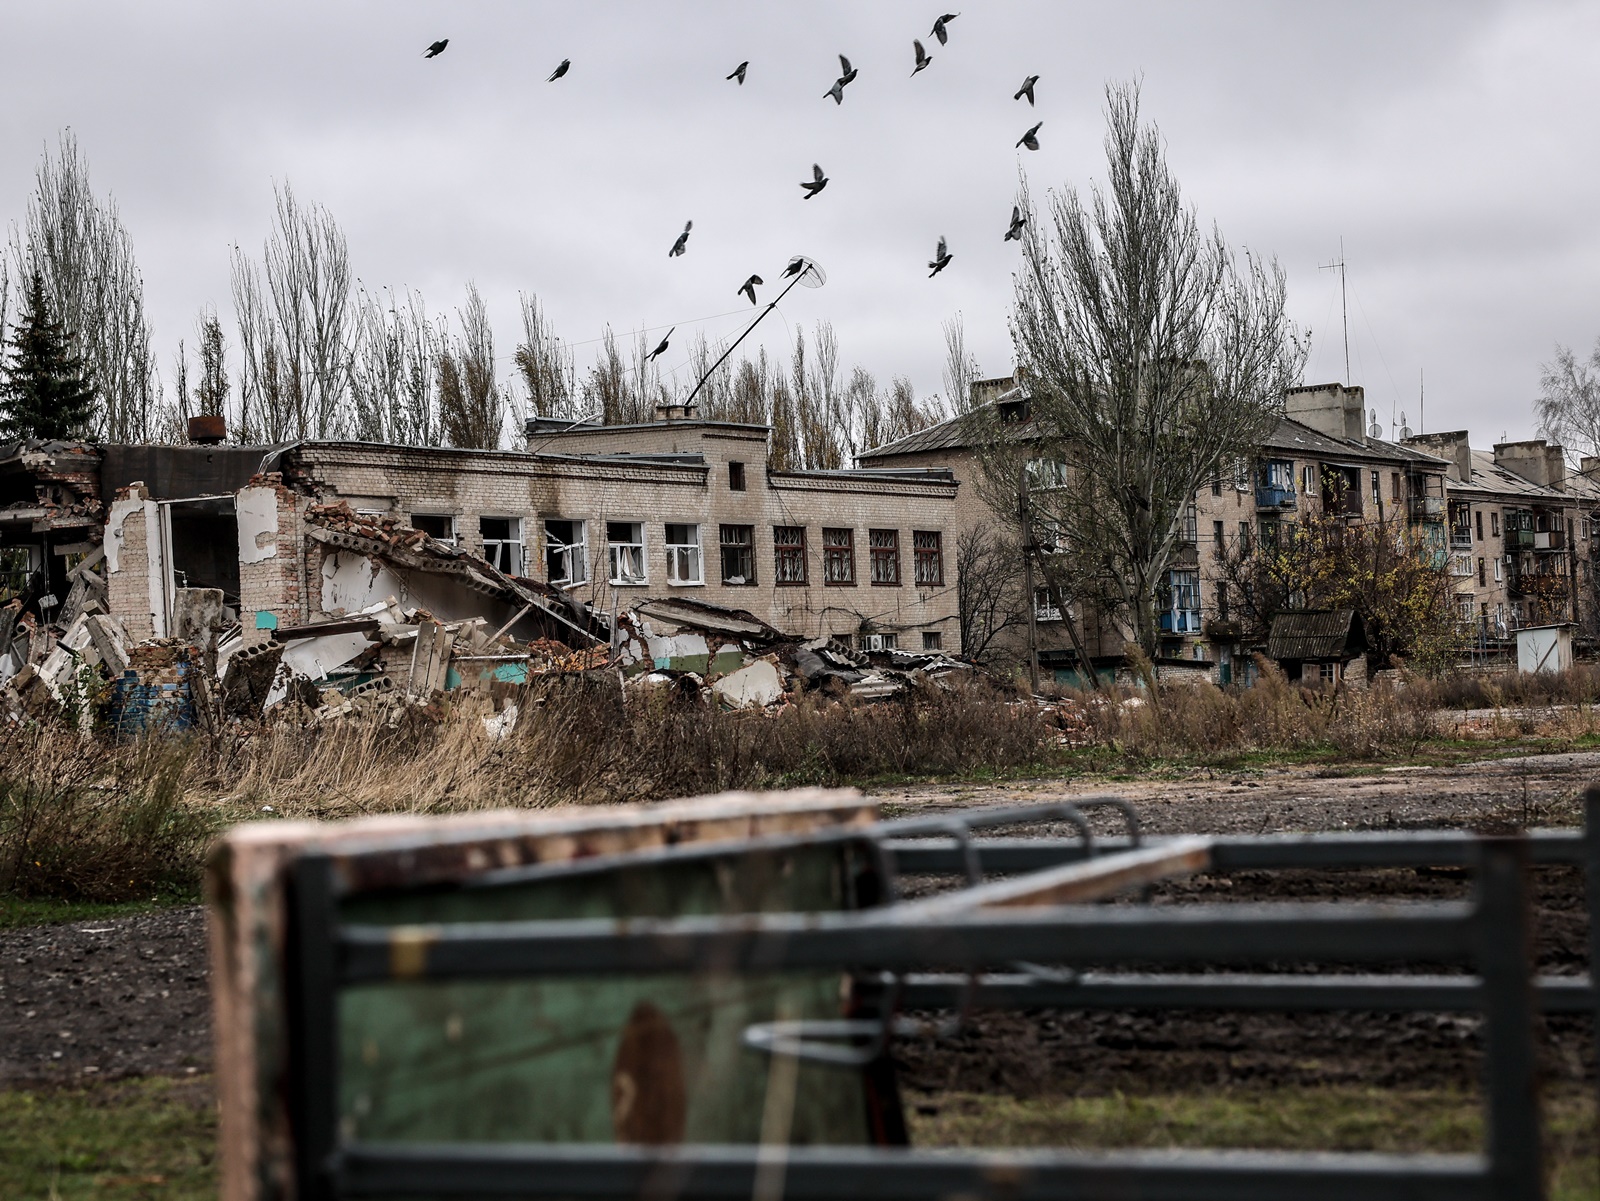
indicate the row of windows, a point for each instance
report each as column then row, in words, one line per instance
column 566, row 550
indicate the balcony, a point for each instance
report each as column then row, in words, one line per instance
column 1180, row 621
column 1274, row 496
column 1344, row 503
column 1519, row 539
column 1461, row 539
column 1426, row 508
column 1549, row 540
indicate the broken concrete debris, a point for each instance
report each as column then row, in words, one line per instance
column 407, row 620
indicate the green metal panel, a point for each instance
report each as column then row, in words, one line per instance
column 634, row 1059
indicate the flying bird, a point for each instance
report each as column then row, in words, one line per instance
column 941, row 258
column 938, row 27
column 922, row 59
column 738, row 72
column 1014, row 234
column 1031, row 138
column 817, row 183
column 748, row 288
column 436, row 49
column 849, row 72
column 682, row 243
column 660, row 350
column 796, row 264
column 1027, row 89
column 566, row 64
column 836, row 91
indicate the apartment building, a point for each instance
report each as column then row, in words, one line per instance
column 1521, row 534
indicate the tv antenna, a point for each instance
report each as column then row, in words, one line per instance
column 1344, row 306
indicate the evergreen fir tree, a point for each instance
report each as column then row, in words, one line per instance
column 47, row 392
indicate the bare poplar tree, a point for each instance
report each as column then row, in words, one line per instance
column 989, row 591
column 472, row 410
column 1569, row 400
column 960, row 367
column 297, row 328
column 544, row 365
column 1151, row 355
column 392, row 377
column 83, row 252
column 211, row 389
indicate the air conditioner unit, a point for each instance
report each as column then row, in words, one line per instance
column 872, row 642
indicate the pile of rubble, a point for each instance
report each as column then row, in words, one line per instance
column 736, row 659
column 385, row 656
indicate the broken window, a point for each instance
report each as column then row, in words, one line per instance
column 789, row 554
column 932, row 640
column 17, row 565
column 566, row 552
column 436, row 525
column 1044, row 606
column 928, row 558
column 736, row 477
column 683, row 554
column 838, row 556
column 502, row 542
column 1045, row 474
column 738, row 554
column 625, row 547
column 884, row 548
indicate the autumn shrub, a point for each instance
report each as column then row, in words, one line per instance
column 80, row 821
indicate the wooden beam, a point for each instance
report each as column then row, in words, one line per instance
column 1074, row 883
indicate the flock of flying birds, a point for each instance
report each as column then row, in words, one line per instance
column 818, row 181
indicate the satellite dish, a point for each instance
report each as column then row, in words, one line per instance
column 1374, row 430
column 1405, row 430
column 813, row 276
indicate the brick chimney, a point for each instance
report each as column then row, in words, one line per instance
column 1330, row 409
column 1537, row 460
column 1452, row 446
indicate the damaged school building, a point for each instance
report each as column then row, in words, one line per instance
column 666, row 548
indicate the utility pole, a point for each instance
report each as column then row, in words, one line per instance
column 1344, row 306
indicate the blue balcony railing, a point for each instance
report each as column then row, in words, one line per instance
column 1273, row 496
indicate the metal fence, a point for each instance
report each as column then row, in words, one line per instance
column 1025, row 940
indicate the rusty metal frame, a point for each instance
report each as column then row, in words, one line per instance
column 979, row 935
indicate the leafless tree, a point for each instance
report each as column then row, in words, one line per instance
column 989, row 592
column 544, row 365
column 392, row 376
column 211, row 390
column 80, row 247
column 1151, row 354
column 296, row 329
column 960, row 367
column 1569, row 400
column 472, row 410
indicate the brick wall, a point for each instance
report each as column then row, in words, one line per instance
column 470, row 486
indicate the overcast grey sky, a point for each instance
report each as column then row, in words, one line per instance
column 1451, row 145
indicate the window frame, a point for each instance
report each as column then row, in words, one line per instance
column 737, row 479
column 883, row 557
column 841, row 554
column 637, row 551
column 580, row 544
column 923, row 555
column 745, row 549
column 449, row 519
column 792, row 554
column 932, row 640
column 671, row 546
column 515, row 539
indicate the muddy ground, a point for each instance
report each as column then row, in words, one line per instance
column 127, row 996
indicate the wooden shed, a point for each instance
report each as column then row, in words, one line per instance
column 1320, row 646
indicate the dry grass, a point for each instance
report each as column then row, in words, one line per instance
column 1274, row 715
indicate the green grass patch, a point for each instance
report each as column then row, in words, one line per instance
column 133, row 1140
column 15, row 911
column 1334, row 1118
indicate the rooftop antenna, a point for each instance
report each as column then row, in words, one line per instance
column 1375, row 430
column 1421, row 393
column 1344, row 306
column 1405, row 430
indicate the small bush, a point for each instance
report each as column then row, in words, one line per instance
column 84, row 823
column 1579, row 684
